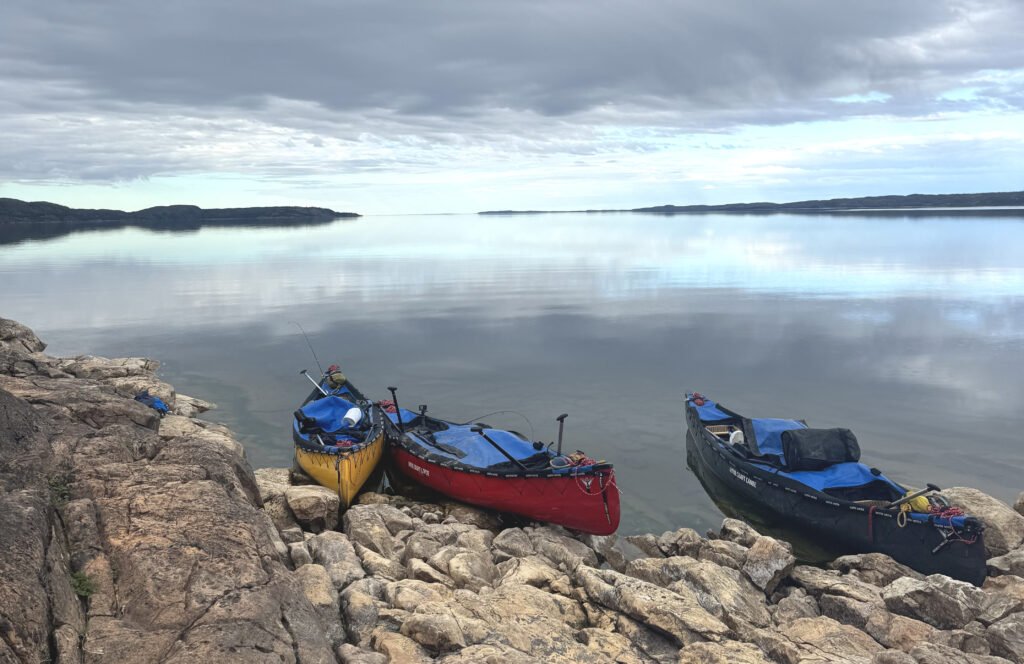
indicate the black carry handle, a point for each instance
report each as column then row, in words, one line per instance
column 480, row 430
column 561, row 427
column 398, row 411
column 897, row 503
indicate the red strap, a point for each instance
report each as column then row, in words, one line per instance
column 871, row 516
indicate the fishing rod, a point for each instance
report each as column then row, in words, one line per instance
column 315, row 358
column 500, row 412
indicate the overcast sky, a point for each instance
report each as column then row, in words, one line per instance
column 379, row 106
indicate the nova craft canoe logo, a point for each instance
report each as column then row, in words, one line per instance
column 422, row 471
column 741, row 477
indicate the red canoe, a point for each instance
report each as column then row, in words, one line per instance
column 501, row 470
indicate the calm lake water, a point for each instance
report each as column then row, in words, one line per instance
column 908, row 330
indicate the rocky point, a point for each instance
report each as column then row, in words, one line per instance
column 127, row 537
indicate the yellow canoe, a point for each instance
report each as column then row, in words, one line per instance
column 344, row 472
column 338, row 453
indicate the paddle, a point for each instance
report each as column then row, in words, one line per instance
column 480, row 430
column 398, row 411
column 561, row 426
column 897, row 503
column 306, row 374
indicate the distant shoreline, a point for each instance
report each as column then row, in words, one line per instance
column 991, row 201
column 14, row 211
column 20, row 220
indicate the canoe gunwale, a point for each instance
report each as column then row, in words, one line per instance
column 402, row 440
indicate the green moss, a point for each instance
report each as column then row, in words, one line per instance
column 83, row 584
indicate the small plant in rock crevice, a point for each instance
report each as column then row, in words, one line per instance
column 60, row 490
column 83, row 584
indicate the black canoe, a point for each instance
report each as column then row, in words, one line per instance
column 812, row 480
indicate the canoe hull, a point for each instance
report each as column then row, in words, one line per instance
column 344, row 473
column 839, row 525
column 589, row 504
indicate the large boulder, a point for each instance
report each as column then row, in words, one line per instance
column 1006, row 637
column 563, row 551
column 511, row 543
column 896, row 631
column 272, row 483
column 335, row 552
column 849, row 611
column 1019, row 505
column 1009, row 563
column 1004, row 528
column 768, row 561
column 542, row 625
column 612, row 549
column 793, row 606
column 722, row 591
column 316, row 585
column 937, row 600
column 726, row 652
column 676, row 614
column 1005, row 596
column 877, row 569
column 315, row 507
column 17, row 336
column 818, row 582
column 738, row 531
column 374, row 526
column 825, row 640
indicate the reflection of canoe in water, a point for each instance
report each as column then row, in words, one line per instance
column 806, row 548
column 504, row 471
column 811, row 480
column 338, row 436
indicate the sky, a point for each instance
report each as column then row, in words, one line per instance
column 385, row 107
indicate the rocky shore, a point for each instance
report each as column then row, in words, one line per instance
column 127, row 537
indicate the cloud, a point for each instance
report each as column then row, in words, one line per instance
column 120, row 91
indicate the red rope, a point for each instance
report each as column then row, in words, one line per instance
column 948, row 513
column 945, row 512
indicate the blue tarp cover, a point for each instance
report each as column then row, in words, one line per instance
column 709, row 411
column 407, row 416
column 480, row 453
column 839, row 476
column 328, row 412
column 769, row 434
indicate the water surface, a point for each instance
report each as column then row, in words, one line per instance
column 907, row 329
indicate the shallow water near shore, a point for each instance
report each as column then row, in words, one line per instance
column 908, row 330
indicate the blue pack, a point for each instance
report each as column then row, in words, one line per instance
column 153, row 402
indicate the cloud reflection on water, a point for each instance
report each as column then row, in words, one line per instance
column 909, row 331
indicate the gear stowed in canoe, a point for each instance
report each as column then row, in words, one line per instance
column 338, row 435
column 503, row 470
column 812, row 480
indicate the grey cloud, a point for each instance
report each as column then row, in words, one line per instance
column 550, row 58
column 119, row 90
